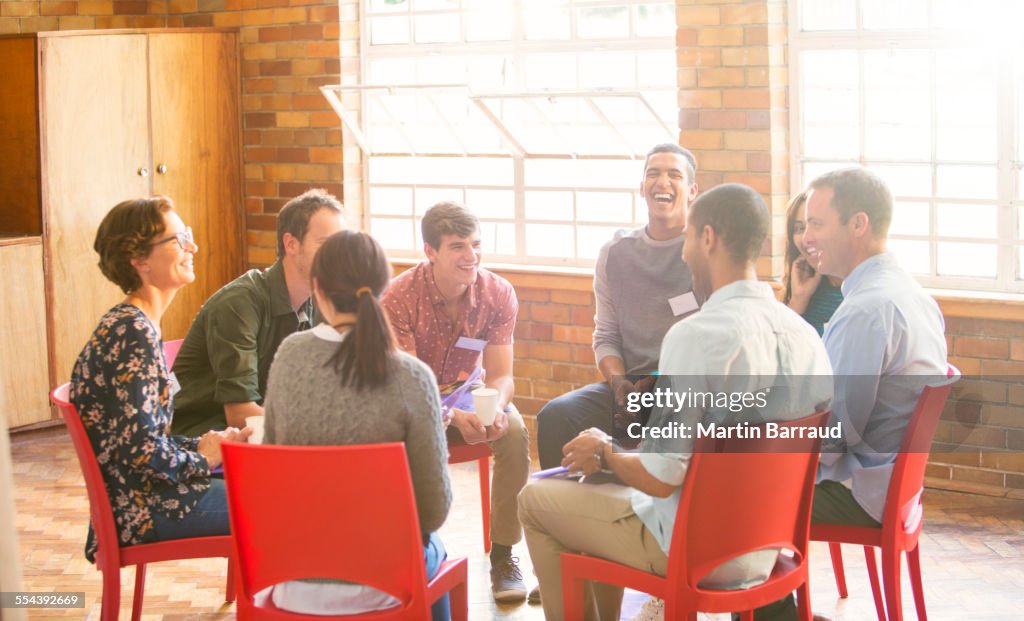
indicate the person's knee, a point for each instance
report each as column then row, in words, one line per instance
column 525, row 504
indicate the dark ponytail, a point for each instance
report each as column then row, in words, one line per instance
column 352, row 272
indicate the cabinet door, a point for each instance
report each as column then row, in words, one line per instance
column 194, row 94
column 95, row 135
column 23, row 363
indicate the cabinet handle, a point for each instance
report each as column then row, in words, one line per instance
column 143, row 172
column 162, row 168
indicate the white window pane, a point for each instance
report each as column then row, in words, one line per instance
column 492, row 203
column 655, row 20
column 388, row 139
column 391, row 201
column 967, row 220
column 550, row 71
column 897, row 105
column 913, row 255
column 967, row 181
column 390, row 71
column 828, row 15
column 494, row 25
column 550, row 240
column 905, row 180
column 1020, row 263
column 431, row 5
column 607, row 69
column 966, row 105
column 898, row 142
column 590, row 239
column 390, row 169
column 1020, row 223
column 602, row 22
column 498, row 238
column 830, row 105
column 440, row 69
column 389, row 6
column 981, row 17
column 887, row 14
column 822, row 69
column 396, row 234
column 976, row 143
column 490, row 73
column 656, row 69
column 389, row 30
column 909, row 219
column 605, row 207
column 831, row 141
column 550, row 173
column 967, row 260
column 549, row 205
column 610, row 173
column 428, row 197
column 545, row 19
column 442, row 28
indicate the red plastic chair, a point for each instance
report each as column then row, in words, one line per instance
column 171, row 351
column 110, row 557
column 480, row 453
column 739, row 496
column 903, row 515
column 341, row 512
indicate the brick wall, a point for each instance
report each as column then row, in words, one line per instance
column 21, row 16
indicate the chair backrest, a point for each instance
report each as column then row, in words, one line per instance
column 340, row 512
column 102, row 516
column 907, row 481
column 171, row 351
column 744, row 494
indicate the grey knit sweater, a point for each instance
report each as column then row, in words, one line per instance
column 306, row 404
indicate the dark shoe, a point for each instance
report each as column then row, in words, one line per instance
column 506, row 580
column 534, row 596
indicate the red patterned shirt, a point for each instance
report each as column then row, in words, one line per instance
column 415, row 307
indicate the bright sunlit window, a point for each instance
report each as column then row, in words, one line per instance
column 534, row 113
column 927, row 93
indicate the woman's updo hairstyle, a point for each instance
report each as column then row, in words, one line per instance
column 127, row 232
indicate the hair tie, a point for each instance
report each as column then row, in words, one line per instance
column 361, row 290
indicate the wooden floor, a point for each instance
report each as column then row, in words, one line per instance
column 972, row 552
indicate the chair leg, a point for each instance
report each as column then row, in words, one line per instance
column 803, row 602
column 140, row 591
column 876, row 586
column 914, row 566
column 229, row 588
column 111, row 607
column 891, row 580
column 835, row 550
column 747, row 615
column 483, row 467
column 458, row 601
column 572, row 596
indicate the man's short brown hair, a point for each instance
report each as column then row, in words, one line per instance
column 294, row 216
column 857, row 190
column 127, row 232
column 447, row 218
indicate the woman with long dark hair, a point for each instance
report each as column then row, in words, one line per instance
column 345, row 382
column 814, row 296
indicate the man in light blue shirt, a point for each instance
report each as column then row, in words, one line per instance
column 745, row 337
column 886, row 341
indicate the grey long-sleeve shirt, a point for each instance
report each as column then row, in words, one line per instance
column 306, row 404
column 635, row 278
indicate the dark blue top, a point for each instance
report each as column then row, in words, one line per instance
column 824, row 302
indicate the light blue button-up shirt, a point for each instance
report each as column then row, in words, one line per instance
column 885, row 341
column 741, row 338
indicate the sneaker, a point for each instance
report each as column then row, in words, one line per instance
column 534, row 596
column 652, row 610
column 506, row 580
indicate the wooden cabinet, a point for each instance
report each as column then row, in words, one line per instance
column 23, row 360
column 123, row 114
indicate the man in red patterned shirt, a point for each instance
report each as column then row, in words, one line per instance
column 456, row 316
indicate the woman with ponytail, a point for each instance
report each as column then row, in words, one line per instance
column 344, row 382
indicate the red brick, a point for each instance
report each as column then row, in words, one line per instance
column 545, row 389
column 759, row 162
column 582, row 316
column 259, row 222
column 758, row 119
column 583, row 354
column 751, row 13
column 575, row 298
column 130, row 7
column 686, row 37
column 720, row 76
column 273, row 34
column 551, row 313
column 990, row 368
column 558, row 352
column 259, row 119
column 720, row 36
column 260, row 154
column 573, row 334
column 745, row 98
column 722, row 119
column 309, row 31
column 1017, row 349
column 530, row 294
column 50, row 7
column 983, row 477
column 979, row 347
column 575, row 374
column 992, row 327
column 275, row 67
column 533, row 369
column 530, row 331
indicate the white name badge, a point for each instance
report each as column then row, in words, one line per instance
column 465, row 342
column 683, row 304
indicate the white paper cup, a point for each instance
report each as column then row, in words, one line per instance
column 256, row 423
column 485, row 402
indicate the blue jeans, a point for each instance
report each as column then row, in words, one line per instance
column 209, row 518
column 434, row 553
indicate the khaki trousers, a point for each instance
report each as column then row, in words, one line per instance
column 565, row 516
column 511, row 471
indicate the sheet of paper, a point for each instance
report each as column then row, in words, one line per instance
column 683, row 304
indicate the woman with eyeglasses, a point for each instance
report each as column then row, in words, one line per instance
column 159, row 485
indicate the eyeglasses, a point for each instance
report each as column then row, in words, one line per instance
column 184, row 239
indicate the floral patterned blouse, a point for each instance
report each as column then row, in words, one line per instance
column 122, row 390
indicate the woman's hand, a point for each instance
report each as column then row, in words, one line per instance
column 209, row 447
column 804, row 282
